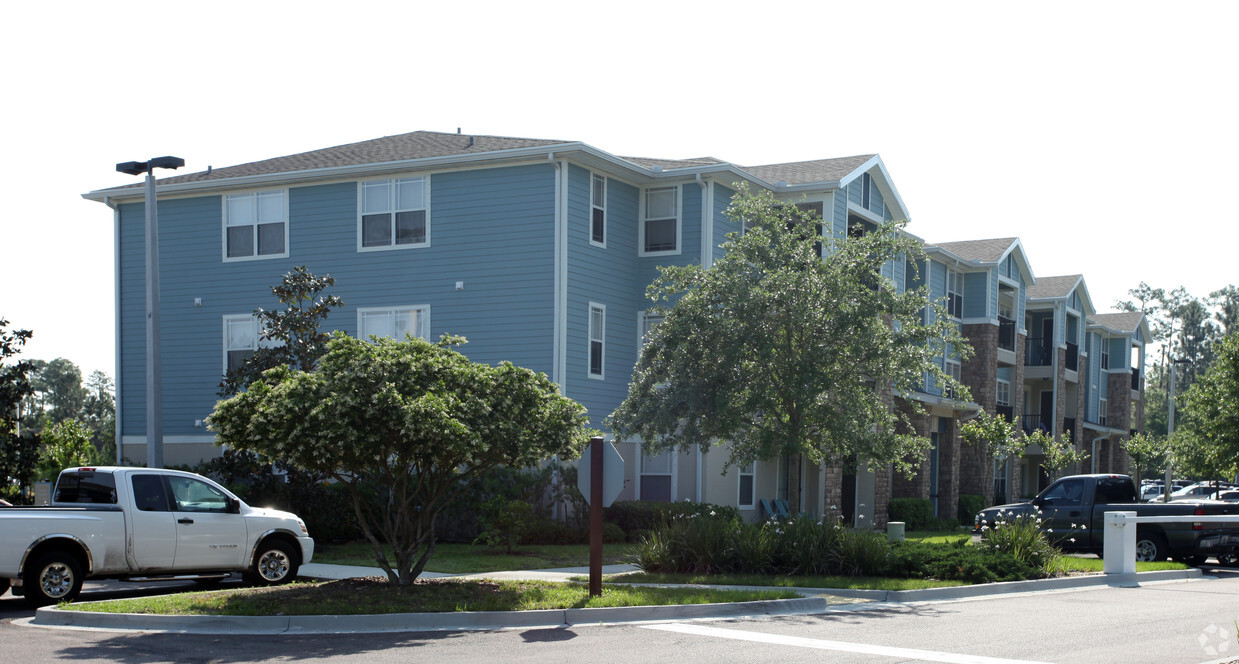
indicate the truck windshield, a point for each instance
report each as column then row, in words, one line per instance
column 86, row 487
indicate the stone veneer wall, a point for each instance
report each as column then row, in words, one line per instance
column 980, row 374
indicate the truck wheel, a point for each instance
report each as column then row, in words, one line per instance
column 1150, row 547
column 275, row 563
column 1229, row 560
column 55, row 577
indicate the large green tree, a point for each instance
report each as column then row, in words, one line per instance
column 405, row 426
column 1210, row 436
column 792, row 343
column 18, row 450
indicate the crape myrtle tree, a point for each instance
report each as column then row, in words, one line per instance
column 405, row 426
column 1146, row 451
column 997, row 435
column 792, row 343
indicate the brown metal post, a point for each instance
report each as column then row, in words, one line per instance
column 595, row 516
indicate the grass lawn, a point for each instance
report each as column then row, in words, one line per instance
column 455, row 558
column 375, row 596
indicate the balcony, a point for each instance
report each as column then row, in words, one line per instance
column 1073, row 357
column 1038, row 353
column 1135, row 380
column 1006, row 334
column 1005, row 411
column 1069, row 427
column 1032, row 422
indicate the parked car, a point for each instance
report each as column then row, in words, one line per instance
column 1073, row 510
column 143, row 523
column 1151, row 492
column 1228, row 495
column 1194, row 492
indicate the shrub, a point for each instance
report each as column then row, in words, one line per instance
column 957, row 561
column 969, row 505
column 862, row 553
column 637, row 517
column 1021, row 537
column 916, row 513
column 803, row 545
column 506, row 521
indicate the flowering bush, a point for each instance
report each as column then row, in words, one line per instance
column 1021, row 536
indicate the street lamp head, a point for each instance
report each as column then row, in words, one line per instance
column 131, row 167
column 166, row 162
column 140, row 167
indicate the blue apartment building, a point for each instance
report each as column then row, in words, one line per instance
column 539, row 252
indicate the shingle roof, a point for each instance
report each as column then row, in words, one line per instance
column 809, row 172
column 673, row 163
column 401, row 147
column 979, row 251
column 1126, row 322
column 1051, row 287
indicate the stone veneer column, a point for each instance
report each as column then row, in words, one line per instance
column 980, row 374
column 881, row 496
column 834, row 493
column 948, row 469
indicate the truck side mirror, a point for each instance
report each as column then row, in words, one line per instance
column 234, row 506
column 1038, row 502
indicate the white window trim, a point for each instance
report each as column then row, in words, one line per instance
column 751, row 472
column 1001, row 382
column 642, row 317
column 675, row 463
column 679, row 224
column 223, row 248
column 389, row 247
column 951, row 272
column 1102, row 408
column 957, row 374
column 424, row 318
column 594, row 205
column 230, row 318
column 591, row 338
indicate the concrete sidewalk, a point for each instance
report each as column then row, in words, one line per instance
column 813, row 601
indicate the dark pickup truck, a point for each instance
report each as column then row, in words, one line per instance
column 1073, row 511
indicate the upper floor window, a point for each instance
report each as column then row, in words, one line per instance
column 1003, row 393
column 597, row 339
column 1105, row 355
column 394, row 322
column 256, row 225
column 952, row 369
column 955, row 293
column 394, row 214
column 649, row 321
column 598, row 210
column 1102, row 406
column 660, row 225
column 866, row 184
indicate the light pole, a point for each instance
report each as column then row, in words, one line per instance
column 154, row 387
column 1170, row 424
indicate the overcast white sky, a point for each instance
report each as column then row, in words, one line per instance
column 1101, row 133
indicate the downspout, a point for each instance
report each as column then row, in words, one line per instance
column 560, row 304
column 117, row 429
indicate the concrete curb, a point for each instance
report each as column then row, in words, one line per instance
column 491, row 620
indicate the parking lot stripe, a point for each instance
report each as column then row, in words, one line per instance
column 841, row 646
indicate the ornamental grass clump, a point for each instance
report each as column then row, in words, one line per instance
column 1021, row 536
column 803, row 545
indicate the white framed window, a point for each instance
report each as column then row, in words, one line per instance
column 597, row 339
column 660, row 221
column 1003, row 393
column 953, row 369
column 649, row 321
column 255, row 225
column 393, row 214
column 394, row 322
column 598, row 210
column 240, row 340
column 657, row 472
column 1105, row 354
column 955, row 293
column 1101, row 411
column 747, row 498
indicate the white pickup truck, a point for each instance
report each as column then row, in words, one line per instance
column 143, row 524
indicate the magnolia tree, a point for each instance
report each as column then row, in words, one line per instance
column 792, row 343
column 405, row 426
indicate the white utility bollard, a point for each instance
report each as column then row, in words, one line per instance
column 1120, row 543
column 894, row 531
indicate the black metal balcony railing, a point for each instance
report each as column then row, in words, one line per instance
column 1006, row 333
column 1073, row 357
column 1038, row 353
column 1032, row 422
column 1135, row 380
